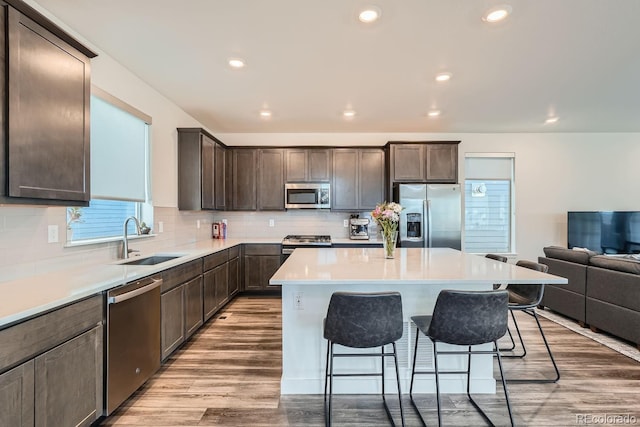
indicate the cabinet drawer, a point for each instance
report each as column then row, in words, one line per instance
column 214, row 260
column 35, row 336
column 234, row 252
column 263, row 249
column 180, row 274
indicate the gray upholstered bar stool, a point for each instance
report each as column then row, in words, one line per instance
column 362, row 320
column 463, row 318
column 526, row 298
column 500, row 258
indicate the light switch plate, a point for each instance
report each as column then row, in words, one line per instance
column 52, row 236
column 160, row 227
column 346, row 223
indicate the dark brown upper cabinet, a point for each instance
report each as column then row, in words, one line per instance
column 358, row 179
column 45, row 111
column 244, row 191
column 271, row 179
column 423, row 162
column 196, row 169
column 308, row 165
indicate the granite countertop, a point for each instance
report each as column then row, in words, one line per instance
column 410, row 266
column 26, row 297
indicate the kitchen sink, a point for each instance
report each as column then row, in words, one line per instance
column 152, row 260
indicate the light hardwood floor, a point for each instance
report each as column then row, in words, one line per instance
column 229, row 372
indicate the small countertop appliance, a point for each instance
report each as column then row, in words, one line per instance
column 358, row 228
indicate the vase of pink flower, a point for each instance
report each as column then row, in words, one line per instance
column 387, row 216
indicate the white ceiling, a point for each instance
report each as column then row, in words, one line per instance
column 308, row 61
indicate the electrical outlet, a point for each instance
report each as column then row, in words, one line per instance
column 160, row 227
column 197, row 223
column 272, row 223
column 52, row 234
column 297, row 301
column 346, row 223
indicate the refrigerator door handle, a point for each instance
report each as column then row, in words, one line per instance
column 427, row 211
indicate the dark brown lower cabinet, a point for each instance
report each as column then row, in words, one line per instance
column 261, row 261
column 180, row 305
column 17, row 396
column 234, row 277
column 171, row 320
column 68, row 385
column 193, row 309
column 59, row 381
column 215, row 289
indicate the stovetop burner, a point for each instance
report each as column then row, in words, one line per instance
column 306, row 240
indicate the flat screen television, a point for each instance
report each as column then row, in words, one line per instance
column 605, row 232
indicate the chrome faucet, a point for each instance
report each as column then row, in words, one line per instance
column 125, row 241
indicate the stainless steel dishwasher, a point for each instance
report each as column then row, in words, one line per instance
column 133, row 338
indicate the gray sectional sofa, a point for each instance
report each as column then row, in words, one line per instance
column 603, row 291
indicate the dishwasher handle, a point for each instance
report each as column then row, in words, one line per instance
column 153, row 283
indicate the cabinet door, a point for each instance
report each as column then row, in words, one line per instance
column 244, row 179
column 209, row 294
column 220, row 171
column 68, row 382
column 442, row 162
column 193, row 314
column 48, row 121
column 258, row 269
column 207, row 173
column 234, row 277
column 408, row 162
column 370, row 178
column 296, row 165
column 221, row 283
column 16, row 396
column 344, row 188
column 271, row 180
column 319, row 165
column 172, row 320
column 269, row 264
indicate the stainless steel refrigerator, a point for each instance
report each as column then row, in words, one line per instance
column 431, row 217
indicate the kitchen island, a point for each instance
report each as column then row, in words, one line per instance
column 310, row 276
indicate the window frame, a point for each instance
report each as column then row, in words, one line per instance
column 512, row 216
column 143, row 209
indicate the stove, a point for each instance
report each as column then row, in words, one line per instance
column 293, row 241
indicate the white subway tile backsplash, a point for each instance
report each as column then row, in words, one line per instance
column 24, row 249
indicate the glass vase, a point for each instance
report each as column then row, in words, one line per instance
column 389, row 243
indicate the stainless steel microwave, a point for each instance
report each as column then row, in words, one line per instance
column 307, row 196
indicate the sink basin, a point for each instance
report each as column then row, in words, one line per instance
column 152, row 260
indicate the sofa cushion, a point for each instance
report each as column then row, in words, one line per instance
column 571, row 255
column 615, row 263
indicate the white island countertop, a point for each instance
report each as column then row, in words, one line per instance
column 310, row 276
column 410, row 266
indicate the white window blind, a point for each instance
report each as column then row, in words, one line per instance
column 489, row 203
column 118, row 153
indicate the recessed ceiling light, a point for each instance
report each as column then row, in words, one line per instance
column 433, row 113
column 370, row 14
column 551, row 120
column 236, row 63
column 443, row 77
column 497, row 14
column 265, row 114
column 348, row 114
